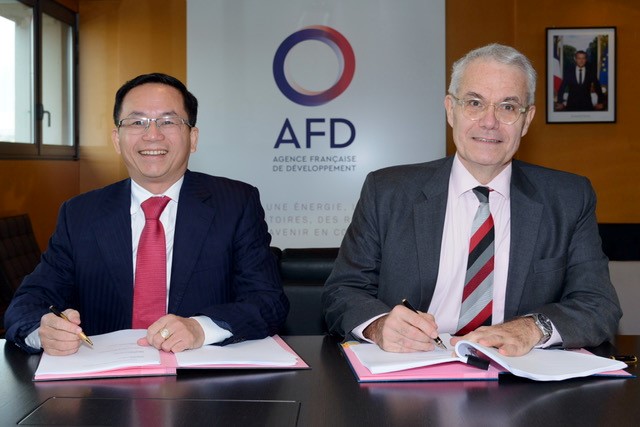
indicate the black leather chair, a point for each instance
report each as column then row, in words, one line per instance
column 620, row 242
column 304, row 272
column 19, row 255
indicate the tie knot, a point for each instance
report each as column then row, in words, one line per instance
column 482, row 193
column 153, row 206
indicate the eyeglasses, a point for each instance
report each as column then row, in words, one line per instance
column 505, row 112
column 139, row 125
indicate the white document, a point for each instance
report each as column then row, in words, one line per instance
column 254, row 352
column 547, row 365
column 379, row 361
column 118, row 354
column 119, row 350
column 538, row 364
column 110, row 351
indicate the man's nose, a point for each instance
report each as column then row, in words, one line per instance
column 489, row 119
column 153, row 131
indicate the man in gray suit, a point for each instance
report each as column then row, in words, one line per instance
column 548, row 283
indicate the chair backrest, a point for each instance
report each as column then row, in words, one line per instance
column 19, row 253
column 304, row 272
column 307, row 264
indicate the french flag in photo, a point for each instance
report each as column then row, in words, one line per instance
column 557, row 65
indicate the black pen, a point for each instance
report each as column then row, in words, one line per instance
column 62, row 316
column 438, row 341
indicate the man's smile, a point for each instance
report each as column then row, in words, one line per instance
column 480, row 139
column 153, row 152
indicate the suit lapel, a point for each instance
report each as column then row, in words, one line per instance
column 429, row 214
column 113, row 233
column 526, row 213
column 193, row 222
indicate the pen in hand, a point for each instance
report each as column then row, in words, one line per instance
column 437, row 339
column 63, row 316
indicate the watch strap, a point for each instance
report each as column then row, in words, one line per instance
column 544, row 324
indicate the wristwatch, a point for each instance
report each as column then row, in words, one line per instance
column 544, row 324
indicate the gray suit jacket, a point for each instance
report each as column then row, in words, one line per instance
column 556, row 264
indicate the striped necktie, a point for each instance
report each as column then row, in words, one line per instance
column 477, row 297
column 150, row 288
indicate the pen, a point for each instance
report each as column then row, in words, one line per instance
column 62, row 316
column 438, row 341
column 474, row 359
column 629, row 359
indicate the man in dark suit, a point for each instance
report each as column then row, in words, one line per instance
column 579, row 82
column 221, row 283
column 548, row 283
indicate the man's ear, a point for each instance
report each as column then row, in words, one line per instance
column 528, row 118
column 193, row 136
column 115, row 139
column 448, row 107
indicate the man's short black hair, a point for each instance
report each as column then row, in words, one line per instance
column 190, row 101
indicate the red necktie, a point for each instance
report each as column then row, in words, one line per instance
column 477, row 297
column 150, row 289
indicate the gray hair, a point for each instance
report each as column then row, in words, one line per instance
column 500, row 53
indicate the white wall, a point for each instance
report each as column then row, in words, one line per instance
column 394, row 103
column 625, row 276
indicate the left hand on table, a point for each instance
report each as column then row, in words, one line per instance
column 513, row 338
column 174, row 333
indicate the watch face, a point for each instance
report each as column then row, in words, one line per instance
column 545, row 323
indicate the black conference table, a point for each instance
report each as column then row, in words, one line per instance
column 325, row 395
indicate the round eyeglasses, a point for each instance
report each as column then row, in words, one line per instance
column 507, row 112
column 139, row 125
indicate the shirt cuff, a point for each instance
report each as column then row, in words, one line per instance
column 359, row 330
column 213, row 333
column 33, row 339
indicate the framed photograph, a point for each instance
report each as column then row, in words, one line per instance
column 581, row 75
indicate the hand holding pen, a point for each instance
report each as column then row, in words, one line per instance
column 437, row 339
column 400, row 331
column 60, row 314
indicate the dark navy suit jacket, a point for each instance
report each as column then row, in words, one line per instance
column 222, row 265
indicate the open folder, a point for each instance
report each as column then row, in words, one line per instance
column 117, row 354
column 371, row 364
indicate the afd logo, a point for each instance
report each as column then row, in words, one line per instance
column 308, row 98
column 346, row 63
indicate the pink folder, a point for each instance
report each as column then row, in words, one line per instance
column 448, row 371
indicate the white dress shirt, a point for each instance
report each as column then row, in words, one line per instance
column 212, row 332
column 462, row 205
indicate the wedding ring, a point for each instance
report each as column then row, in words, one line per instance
column 165, row 333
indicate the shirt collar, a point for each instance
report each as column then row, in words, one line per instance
column 140, row 194
column 462, row 181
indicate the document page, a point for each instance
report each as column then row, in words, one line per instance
column 379, row 361
column 254, row 352
column 547, row 364
column 110, row 351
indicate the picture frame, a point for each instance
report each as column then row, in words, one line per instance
column 581, row 75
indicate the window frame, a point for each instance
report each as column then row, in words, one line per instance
column 37, row 149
